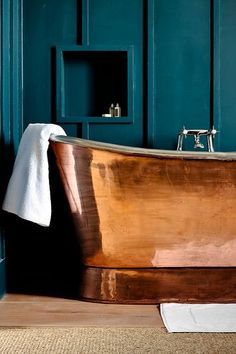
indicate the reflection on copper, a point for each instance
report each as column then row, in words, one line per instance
column 72, row 188
column 143, row 211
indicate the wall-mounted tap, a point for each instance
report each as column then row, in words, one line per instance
column 197, row 133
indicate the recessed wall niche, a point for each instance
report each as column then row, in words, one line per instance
column 90, row 79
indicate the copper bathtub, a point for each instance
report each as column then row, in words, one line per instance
column 153, row 225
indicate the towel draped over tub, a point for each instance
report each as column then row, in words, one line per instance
column 28, row 191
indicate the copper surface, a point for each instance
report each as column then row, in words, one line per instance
column 152, row 286
column 150, row 211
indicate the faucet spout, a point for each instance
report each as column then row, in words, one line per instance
column 197, row 133
column 198, row 144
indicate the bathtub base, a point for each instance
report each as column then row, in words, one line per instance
column 152, row 286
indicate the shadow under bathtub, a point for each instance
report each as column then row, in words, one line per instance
column 44, row 260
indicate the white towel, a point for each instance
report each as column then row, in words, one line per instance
column 199, row 317
column 28, row 191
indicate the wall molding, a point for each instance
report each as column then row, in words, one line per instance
column 11, row 70
column 2, row 277
column 216, row 57
column 11, row 122
column 151, row 87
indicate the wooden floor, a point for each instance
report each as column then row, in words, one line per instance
column 27, row 310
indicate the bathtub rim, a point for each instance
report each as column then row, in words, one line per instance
column 128, row 150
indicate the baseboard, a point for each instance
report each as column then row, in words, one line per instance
column 152, row 286
column 2, row 277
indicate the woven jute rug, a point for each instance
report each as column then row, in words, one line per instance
column 112, row 340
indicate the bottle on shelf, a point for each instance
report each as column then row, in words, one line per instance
column 117, row 110
column 112, row 110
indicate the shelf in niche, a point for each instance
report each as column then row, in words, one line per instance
column 104, row 120
column 89, row 79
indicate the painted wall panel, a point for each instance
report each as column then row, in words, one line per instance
column 120, row 23
column 10, row 98
column 2, row 262
column 225, row 73
column 115, row 22
column 99, row 26
column 46, row 24
column 2, row 277
column 179, row 71
column 103, row 132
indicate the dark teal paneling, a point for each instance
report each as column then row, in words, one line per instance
column 5, row 73
column 2, row 277
column 42, row 35
column 115, row 22
column 225, row 73
column 11, row 102
column 46, row 24
column 179, row 71
column 11, row 73
column 16, row 72
column 90, row 78
column 123, row 135
column 216, row 71
column 119, row 23
column 5, row 134
column 2, row 266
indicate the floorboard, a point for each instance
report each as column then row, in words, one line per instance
column 26, row 310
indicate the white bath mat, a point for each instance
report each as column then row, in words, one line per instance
column 199, row 317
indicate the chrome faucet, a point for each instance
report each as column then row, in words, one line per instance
column 197, row 133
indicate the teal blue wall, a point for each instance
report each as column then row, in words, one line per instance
column 225, row 73
column 11, row 103
column 2, row 277
column 179, row 74
column 2, row 264
column 179, row 70
column 46, row 24
column 182, row 66
column 83, row 24
column 120, row 23
column 182, row 70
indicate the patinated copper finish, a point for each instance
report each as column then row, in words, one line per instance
column 134, row 209
column 193, row 285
